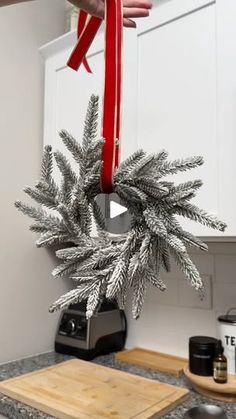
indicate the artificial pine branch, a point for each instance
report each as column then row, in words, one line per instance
column 40, row 197
column 196, row 214
column 47, row 164
column 129, row 164
column 139, row 291
column 73, row 146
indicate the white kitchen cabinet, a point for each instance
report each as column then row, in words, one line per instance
column 179, row 94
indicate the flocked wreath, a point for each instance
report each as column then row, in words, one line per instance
column 104, row 266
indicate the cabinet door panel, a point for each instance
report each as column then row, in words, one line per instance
column 73, row 93
column 177, row 97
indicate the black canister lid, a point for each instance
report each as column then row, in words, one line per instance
column 202, row 341
column 228, row 318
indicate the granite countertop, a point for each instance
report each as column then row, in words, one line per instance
column 16, row 410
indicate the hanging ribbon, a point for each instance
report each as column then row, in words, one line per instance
column 81, row 25
column 119, row 78
column 86, row 35
column 112, row 85
column 111, row 106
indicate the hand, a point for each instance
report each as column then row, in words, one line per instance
column 131, row 9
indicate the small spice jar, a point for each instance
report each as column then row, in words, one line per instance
column 220, row 365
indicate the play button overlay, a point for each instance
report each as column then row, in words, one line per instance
column 116, row 209
column 117, row 217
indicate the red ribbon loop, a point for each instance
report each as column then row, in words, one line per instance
column 112, row 85
column 86, row 35
column 81, row 25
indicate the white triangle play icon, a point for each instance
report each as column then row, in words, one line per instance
column 116, row 209
column 116, row 216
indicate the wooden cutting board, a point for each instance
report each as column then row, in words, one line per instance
column 78, row 389
column 157, row 361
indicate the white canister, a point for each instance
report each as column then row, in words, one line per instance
column 227, row 334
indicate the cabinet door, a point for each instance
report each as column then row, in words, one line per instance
column 178, row 94
column 226, row 110
column 176, row 102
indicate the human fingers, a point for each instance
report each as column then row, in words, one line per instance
column 131, row 9
column 140, row 4
column 129, row 23
column 135, row 12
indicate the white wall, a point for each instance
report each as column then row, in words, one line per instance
column 169, row 319
column 26, row 288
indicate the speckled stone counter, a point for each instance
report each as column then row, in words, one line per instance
column 15, row 410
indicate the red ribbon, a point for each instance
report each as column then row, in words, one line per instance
column 86, row 36
column 81, row 25
column 112, row 86
column 119, row 78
